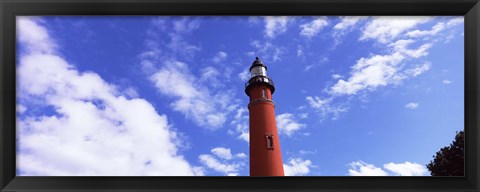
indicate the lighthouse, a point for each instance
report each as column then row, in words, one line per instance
column 265, row 153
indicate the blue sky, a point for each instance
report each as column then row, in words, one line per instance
column 144, row 95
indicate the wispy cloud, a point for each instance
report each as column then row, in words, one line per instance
column 418, row 69
column 88, row 111
column 348, row 22
column 213, row 163
column 318, row 62
column 326, row 107
column 241, row 155
column 268, row 51
column 212, row 76
column 167, row 39
column 174, row 79
column 219, row 57
column 385, row 29
column 411, row 105
column 300, row 52
column 185, row 25
column 360, row 168
column 275, row 25
column 436, row 28
column 381, row 70
column 240, row 122
column 446, row 81
column 222, row 152
column 297, row 167
column 401, row 59
column 344, row 26
column 287, row 124
column 227, row 163
column 336, row 76
column 198, row 98
column 312, row 28
column 406, row 169
column 21, row 108
column 244, row 75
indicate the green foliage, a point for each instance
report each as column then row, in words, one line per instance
column 449, row 161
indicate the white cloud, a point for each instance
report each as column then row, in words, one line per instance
column 360, row 168
column 198, row 171
column 369, row 73
column 241, row 124
column 176, row 31
column 384, row 29
column 311, row 29
column 455, row 21
column 305, row 152
column 400, row 46
column 131, row 92
column 378, row 70
column 192, row 99
column 34, row 36
column 436, row 28
column 209, row 73
column 212, row 77
column 411, row 105
column 213, row 163
column 326, row 107
column 348, row 21
column 300, row 51
column 232, row 174
column 275, row 25
column 221, row 152
column 185, row 25
column 221, row 56
column 417, row 70
column 244, row 75
column 250, row 53
column 245, row 135
column 406, row 169
column 381, row 70
column 95, row 130
column 297, row 167
column 343, row 27
column 336, row 76
column 254, row 19
column 241, row 155
column 317, row 102
column 317, row 63
column 303, row 115
column 446, row 81
column 287, row 124
column 277, row 53
column 180, row 46
column 241, row 120
column 21, row 108
column 228, row 164
column 267, row 51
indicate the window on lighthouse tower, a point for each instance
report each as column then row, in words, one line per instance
column 269, row 138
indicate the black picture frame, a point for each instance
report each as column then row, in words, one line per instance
column 470, row 9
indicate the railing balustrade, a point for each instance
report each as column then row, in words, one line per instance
column 259, row 79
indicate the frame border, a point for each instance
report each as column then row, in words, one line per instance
column 470, row 9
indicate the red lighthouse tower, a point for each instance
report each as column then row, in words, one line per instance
column 265, row 153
